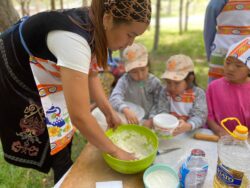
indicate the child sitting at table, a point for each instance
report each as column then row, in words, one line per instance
column 137, row 85
column 181, row 96
column 229, row 96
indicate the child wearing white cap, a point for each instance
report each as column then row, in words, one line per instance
column 181, row 97
column 229, row 96
column 137, row 85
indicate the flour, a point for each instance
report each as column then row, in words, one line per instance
column 161, row 179
column 133, row 142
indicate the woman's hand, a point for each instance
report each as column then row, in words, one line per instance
column 98, row 95
column 130, row 116
column 182, row 127
column 113, row 120
column 123, row 155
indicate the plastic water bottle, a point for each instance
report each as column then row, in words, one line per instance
column 233, row 158
column 193, row 171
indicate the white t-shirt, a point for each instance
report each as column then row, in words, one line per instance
column 71, row 50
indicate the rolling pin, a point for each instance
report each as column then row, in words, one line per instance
column 207, row 137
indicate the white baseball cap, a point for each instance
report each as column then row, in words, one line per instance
column 135, row 56
column 178, row 67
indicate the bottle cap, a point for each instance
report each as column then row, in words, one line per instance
column 241, row 129
column 198, row 152
column 241, row 132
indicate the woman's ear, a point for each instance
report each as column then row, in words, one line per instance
column 107, row 21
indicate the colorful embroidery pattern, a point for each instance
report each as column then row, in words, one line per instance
column 237, row 5
column 46, row 65
column 49, row 85
column 187, row 97
column 234, row 30
column 240, row 49
column 216, row 72
column 59, row 128
column 47, row 89
column 32, row 126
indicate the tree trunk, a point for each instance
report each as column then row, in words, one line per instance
column 157, row 25
column 22, row 3
column 28, row 7
column 84, row 3
column 169, row 8
column 8, row 14
column 52, row 4
column 180, row 17
column 25, row 7
column 187, row 15
column 61, row 4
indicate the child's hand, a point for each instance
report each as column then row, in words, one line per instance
column 130, row 116
column 182, row 127
column 148, row 123
column 221, row 132
column 217, row 129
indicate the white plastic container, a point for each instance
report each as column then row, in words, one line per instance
column 164, row 124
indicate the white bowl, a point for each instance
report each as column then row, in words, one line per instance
column 161, row 175
column 165, row 123
column 137, row 109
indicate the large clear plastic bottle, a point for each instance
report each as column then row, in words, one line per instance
column 193, row 171
column 233, row 159
column 246, row 179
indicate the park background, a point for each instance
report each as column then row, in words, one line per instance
column 176, row 27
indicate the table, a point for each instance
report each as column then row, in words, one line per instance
column 90, row 167
column 186, row 142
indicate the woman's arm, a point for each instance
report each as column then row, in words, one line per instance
column 76, row 92
column 98, row 95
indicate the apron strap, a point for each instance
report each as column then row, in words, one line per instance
column 22, row 21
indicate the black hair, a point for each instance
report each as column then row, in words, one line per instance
column 191, row 77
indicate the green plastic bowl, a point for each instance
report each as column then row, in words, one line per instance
column 160, row 166
column 132, row 167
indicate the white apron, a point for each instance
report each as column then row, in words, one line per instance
column 233, row 24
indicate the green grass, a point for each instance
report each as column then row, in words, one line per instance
column 190, row 43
